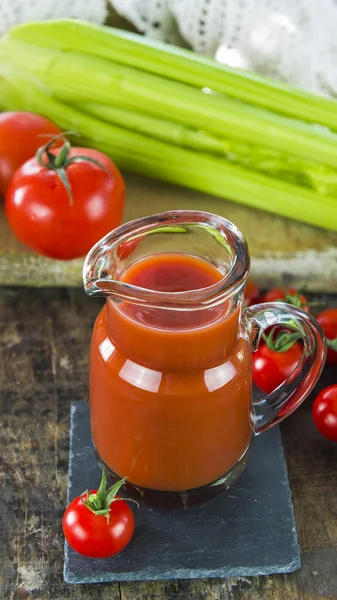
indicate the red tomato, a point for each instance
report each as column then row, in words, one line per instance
column 271, row 368
column 126, row 248
column 93, row 535
column 40, row 211
column 324, row 412
column 99, row 523
column 289, row 295
column 328, row 321
column 21, row 134
column 251, row 294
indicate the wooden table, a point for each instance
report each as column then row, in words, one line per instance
column 283, row 251
column 44, row 362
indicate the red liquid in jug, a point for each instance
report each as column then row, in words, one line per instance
column 170, row 389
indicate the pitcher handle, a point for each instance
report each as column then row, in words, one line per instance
column 280, row 403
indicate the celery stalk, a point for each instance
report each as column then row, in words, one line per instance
column 177, row 64
column 252, row 156
column 151, row 157
column 161, row 129
column 97, row 79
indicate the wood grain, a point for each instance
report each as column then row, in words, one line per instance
column 45, row 338
column 283, row 251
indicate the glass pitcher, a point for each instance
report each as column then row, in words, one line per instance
column 171, row 404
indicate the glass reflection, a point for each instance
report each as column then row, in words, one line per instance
column 217, row 377
column 106, row 349
column 141, row 377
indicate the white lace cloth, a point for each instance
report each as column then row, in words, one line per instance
column 292, row 40
column 13, row 12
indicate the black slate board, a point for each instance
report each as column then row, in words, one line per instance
column 249, row 530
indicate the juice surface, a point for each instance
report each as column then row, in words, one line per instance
column 169, row 389
column 172, row 272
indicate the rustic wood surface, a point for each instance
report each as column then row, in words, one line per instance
column 283, row 251
column 43, row 367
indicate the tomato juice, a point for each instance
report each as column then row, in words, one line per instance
column 170, row 389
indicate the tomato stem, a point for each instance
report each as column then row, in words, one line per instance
column 99, row 503
column 283, row 341
column 60, row 161
column 62, row 155
column 332, row 344
column 295, row 300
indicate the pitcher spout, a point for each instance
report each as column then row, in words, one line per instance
column 205, row 235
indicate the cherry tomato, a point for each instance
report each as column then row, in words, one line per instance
column 94, row 534
column 60, row 223
column 271, row 368
column 21, row 134
column 289, row 295
column 324, row 412
column 251, row 294
column 126, row 248
column 328, row 321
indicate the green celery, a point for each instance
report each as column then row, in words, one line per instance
column 151, row 157
column 162, row 129
column 100, row 80
column 252, row 156
column 177, row 64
